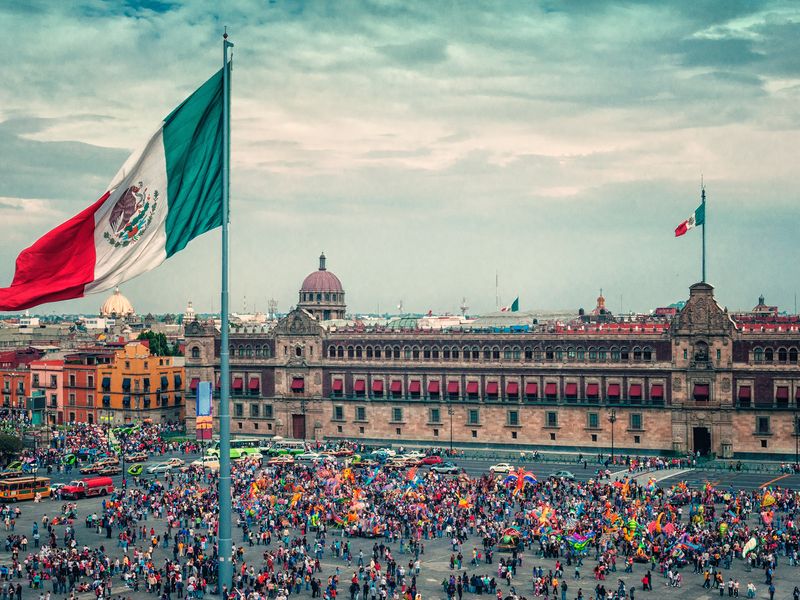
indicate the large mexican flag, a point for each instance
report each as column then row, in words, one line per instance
column 166, row 194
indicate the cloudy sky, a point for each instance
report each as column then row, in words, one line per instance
column 426, row 146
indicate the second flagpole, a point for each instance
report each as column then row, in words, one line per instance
column 224, row 540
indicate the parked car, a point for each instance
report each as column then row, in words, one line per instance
column 283, row 459
column 109, row 470
column 500, row 468
column 136, row 457
column 308, row 456
column 563, row 475
column 433, row 459
column 446, row 468
column 206, row 462
column 417, row 455
column 163, row 467
column 176, row 462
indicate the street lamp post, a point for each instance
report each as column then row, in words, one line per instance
column 796, row 440
column 612, row 418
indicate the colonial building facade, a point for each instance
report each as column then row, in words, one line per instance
column 699, row 381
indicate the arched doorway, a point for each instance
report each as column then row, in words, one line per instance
column 701, row 436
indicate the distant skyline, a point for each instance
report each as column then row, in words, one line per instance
column 426, row 146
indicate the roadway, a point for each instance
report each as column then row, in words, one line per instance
column 475, row 467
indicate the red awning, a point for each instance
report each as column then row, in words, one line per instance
column 532, row 389
column 298, row 384
column 195, row 382
column 338, row 385
column 550, row 389
column 238, row 383
column 512, row 388
column 592, row 390
column 701, row 391
column 782, row 392
column 744, row 392
column 452, row 388
column 492, row 389
column 472, row 388
column 396, row 386
column 657, row 391
column 254, row 383
column 359, row 386
column 571, row 390
column 377, row 386
column 613, row 390
column 635, row 391
column 433, row 386
column 414, row 386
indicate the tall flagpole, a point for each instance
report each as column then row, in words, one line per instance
column 224, row 541
column 703, row 196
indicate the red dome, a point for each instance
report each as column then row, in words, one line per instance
column 321, row 281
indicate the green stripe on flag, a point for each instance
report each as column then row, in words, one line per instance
column 700, row 214
column 193, row 148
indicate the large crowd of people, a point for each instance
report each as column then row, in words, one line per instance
column 507, row 536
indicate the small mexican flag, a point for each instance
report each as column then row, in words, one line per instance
column 166, row 194
column 698, row 218
column 514, row 307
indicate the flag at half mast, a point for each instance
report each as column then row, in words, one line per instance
column 165, row 195
column 513, row 307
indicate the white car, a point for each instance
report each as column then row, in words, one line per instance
column 252, row 456
column 501, row 468
column 414, row 455
column 163, row 467
column 176, row 462
column 387, row 451
column 207, row 462
column 309, row 456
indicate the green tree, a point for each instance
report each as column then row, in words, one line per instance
column 10, row 445
column 157, row 341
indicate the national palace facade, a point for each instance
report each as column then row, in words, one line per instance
column 697, row 381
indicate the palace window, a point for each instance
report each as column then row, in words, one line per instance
column 635, row 421
column 254, row 410
column 268, row 412
column 768, row 355
column 762, row 425
column 593, row 420
column 473, row 416
column 551, row 419
column 338, row 413
column 512, row 417
column 238, row 410
column 195, row 352
column 434, row 416
column 397, row 415
column 361, row 413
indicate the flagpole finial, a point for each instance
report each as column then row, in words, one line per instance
column 225, row 33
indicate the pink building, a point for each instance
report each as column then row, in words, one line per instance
column 47, row 376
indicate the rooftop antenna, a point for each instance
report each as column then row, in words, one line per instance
column 496, row 291
column 400, row 307
column 464, row 308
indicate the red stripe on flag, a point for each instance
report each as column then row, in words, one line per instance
column 57, row 266
column 682, row 228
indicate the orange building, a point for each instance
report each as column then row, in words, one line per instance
column 137, row 385
column 80, row 384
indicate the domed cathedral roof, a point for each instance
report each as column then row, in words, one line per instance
column 321, row 280
column 322, row 294
column 117, row 305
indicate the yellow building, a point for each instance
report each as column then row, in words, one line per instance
column 138, row 385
